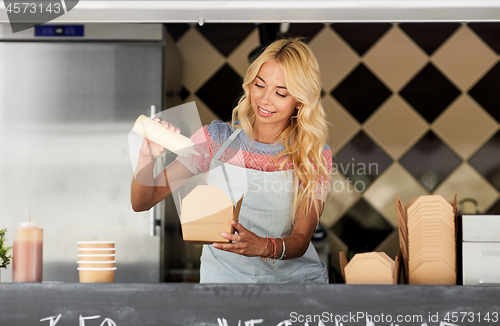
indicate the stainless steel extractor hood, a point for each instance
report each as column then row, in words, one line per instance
column 259, row 11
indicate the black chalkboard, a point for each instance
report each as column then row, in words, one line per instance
column 245, row 305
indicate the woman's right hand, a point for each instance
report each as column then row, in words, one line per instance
column 152, row 150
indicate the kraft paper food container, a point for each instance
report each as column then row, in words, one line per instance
column 96, row 275
column 206, row 212
column 96, row 251
column 370, row 268
column 427, row 234
column 96, row 244
column 95, row 257
column 97, row 264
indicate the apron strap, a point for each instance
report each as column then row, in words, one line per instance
column 227, row 143
column 217, row 162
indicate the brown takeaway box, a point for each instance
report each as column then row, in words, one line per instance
column 206, row 212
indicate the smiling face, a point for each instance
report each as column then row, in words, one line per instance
column 272, row 104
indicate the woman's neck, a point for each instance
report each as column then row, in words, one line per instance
column 266, row 134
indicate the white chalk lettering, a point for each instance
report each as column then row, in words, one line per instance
column 52, row 320
column 222, row 322
column 83, row 319
column 285, row 323
column 109, row 322
column 252, row 322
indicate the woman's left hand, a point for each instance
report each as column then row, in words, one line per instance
column 245, row 243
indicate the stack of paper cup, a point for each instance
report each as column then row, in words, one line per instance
column 96, row 261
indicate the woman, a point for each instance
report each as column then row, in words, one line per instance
column 283, row 144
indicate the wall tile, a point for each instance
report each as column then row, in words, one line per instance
column 382, row 194
column 487, row 160
column 176, row 30
column 395, row 59
column 225, row 37
column 342, row 126
column 429, row 36
column 430, row 161
column 486, row 93
column 467, row 183
column 307, row 31
column 430, row 93
column 390, row 245
column 335, row 58
column 361, row 36
column 464, row 58
column 395, row 126
column 489, row 33
column 206, row 115
column 361, row 161
column 238, row 59
column 465, row 126
column 361, row 93
column 336, row 246
column 362, row 228
column 200, row 59
column 222, row 91
column 341, row 197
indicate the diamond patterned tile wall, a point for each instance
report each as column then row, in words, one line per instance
column 489, row 33
column 362, row 228
column 396, row 117
column 487, row 160
column 225, row 37
column 221, row 91
column 395, row 58
column 465, row 126
column 419, row 99
column 430, row 92
column 486, row 93
column 335, row 57
column 361, row 161
column 361, row 37
column 469, row 184
column 464, row 58
column 430, row 161
column 429, row 36
column 361, row 93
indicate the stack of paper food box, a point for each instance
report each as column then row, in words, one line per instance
column 481, row 249
column 370, row 268
column 427, row 240
column 206, row 212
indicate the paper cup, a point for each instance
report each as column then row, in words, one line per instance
column 96, row 244
column 96, row 275
column 96, row 251
column 97, row 264
column 95, row 257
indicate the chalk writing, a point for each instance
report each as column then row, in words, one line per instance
column 251, row 322
column 52, row 320
column 81, row 320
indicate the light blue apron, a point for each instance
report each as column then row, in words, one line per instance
column 267, row 211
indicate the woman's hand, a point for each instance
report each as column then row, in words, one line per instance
column 246, row 242
column 152, row 150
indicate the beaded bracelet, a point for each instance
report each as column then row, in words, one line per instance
column 273, row 254
column 283, row 252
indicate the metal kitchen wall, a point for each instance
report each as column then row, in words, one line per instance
column 418, row 101
column 66, row 107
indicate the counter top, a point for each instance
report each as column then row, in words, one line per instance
column 240, row 304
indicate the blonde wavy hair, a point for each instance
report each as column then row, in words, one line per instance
column 306, row 133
